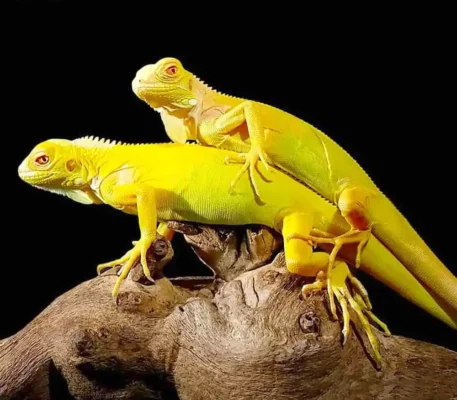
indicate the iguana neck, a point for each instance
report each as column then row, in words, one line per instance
column 92, row 159
column 100, row 158
column 207, row 99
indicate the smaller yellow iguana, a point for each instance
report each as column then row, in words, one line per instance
column 131, row 178
column 191, row 110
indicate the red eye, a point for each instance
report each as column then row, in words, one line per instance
column 172, row 70
column 42, row 160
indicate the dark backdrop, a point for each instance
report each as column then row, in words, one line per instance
column 376, row 84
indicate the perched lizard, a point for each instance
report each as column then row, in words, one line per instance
column 131, row 178
column 191, row 110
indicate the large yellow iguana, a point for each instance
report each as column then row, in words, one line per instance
column 191, row 188
column 191, row 110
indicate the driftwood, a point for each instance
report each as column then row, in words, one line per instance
column 246, row 335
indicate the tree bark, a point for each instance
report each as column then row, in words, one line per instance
column 247, row 334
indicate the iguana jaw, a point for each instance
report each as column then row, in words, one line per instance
column 36, row 178
column 160, row 95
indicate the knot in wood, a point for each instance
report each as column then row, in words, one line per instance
column 309, row 322
column 104, row 333
column 129, row 301
column 160, row 248
column 84, row 343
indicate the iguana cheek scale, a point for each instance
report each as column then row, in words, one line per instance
column 133, row 179
column 257, row 131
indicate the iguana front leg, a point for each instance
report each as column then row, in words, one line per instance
column 141, row 197
column 340, row 283
column 225, row 124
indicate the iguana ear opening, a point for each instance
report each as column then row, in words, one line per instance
column 70, row 165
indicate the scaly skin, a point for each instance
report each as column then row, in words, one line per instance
column 191, row 188
column 190, row 110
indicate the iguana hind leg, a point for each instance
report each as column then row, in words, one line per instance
column 332, row 274
column 299, row 255
column 165, row 231
column 353, row 205
column 338, row 242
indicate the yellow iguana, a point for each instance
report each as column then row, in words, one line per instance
column 191, row 110
column 191, row 188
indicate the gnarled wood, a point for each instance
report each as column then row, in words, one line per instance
column 249, row 336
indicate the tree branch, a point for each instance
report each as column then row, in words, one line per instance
column 246, row 335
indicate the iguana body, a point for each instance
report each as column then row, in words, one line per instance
column 192, row 188
column 191, row 110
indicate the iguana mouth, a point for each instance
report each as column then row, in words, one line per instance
column 142, row 89
column 36, row 177
column 158, row 87
column 156, row 95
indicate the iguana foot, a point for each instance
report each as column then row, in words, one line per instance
column 114, row 263
column 350, row 293
column 139, row 249
column 352, row 236
column 365, row 305
column 249, row 161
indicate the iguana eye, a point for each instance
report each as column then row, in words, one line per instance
column 172, row 70
column 42, row 160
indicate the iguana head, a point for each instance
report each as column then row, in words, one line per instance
column 53, row 165
column 165, row 85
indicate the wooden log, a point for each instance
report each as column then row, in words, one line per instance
column 246, row 335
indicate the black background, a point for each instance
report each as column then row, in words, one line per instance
column 381, row 84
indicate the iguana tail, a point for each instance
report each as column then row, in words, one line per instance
column 396, row 233
column 381, row 264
